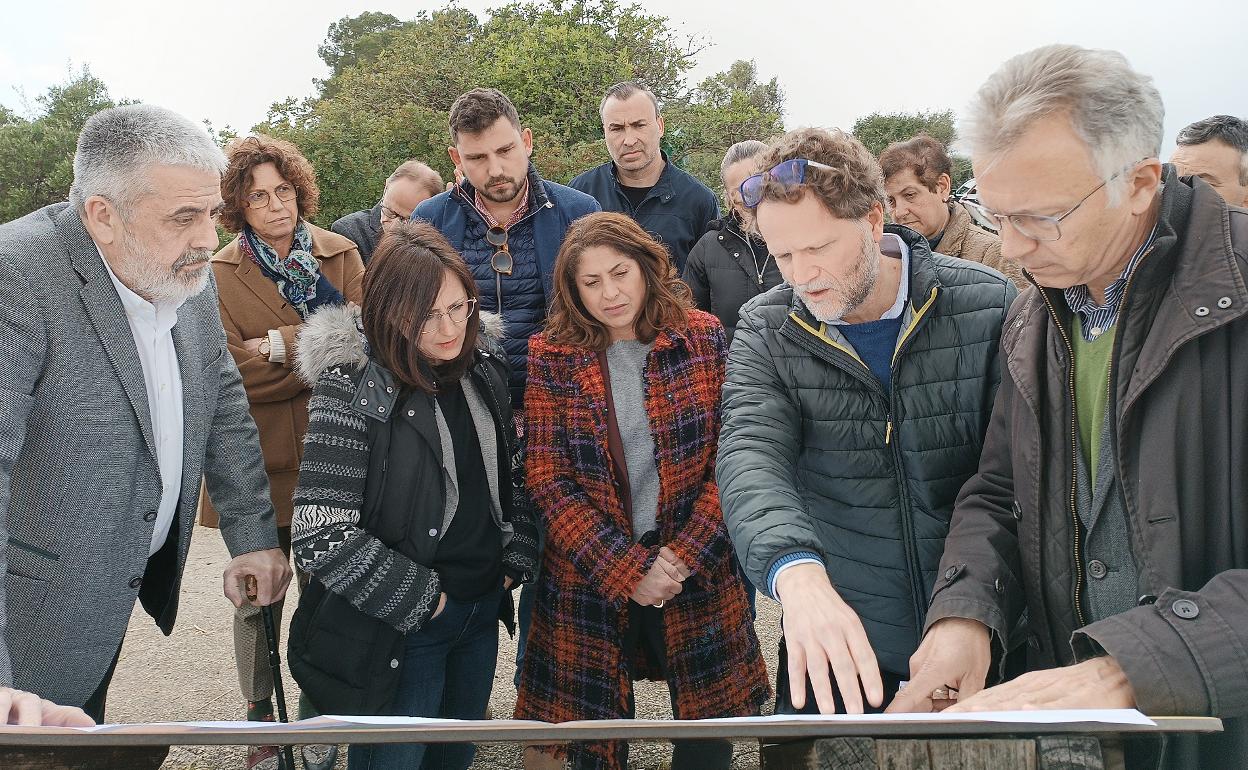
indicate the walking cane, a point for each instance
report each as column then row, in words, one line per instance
column 275, row 667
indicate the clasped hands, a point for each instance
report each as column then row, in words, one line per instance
column 662, row 581
column 822, row 633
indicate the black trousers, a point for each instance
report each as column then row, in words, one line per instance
column 645, row 640
column 784, row 701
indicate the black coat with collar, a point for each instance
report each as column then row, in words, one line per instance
column 723, row 271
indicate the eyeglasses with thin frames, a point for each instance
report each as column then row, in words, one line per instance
column 389, row 215
column 258, row 199
column 1037, row 227
column 458, row 314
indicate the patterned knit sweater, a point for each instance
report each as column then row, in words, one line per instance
column 327, row 540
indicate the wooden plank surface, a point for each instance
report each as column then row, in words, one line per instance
column 82, row 758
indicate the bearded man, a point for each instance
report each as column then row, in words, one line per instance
column 117, row 395
column 857, row 398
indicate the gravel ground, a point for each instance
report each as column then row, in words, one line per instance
column 190, row 675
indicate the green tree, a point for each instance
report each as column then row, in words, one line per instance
column 551, row 57
column 878, row 130
column 37, row 152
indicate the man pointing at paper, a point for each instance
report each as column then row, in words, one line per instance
column 1112, row 500
column 117, row 396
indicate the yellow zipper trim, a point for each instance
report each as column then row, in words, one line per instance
column 822, row 334
column 888, row 433
column 914, row 322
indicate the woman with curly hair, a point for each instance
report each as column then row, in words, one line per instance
column 638, row 581
column 270, row 279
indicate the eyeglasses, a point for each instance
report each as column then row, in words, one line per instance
column 389, row 215
column 1037, row 227
column 459, row 313
column 260, row 198
column 501, row 259
column 789, row 173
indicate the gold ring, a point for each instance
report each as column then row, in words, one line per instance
column 944, row 693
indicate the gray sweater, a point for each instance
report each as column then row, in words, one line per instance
column 626, row 361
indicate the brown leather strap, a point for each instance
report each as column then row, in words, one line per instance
column 615, row 444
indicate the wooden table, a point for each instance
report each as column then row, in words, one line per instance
column 921, row 744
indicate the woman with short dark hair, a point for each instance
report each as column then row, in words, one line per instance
column 270, row 279
column 638, row 579
column 410, row 512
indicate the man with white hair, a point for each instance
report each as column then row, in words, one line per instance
column 1111, row 502
column 1216, row 150
column 117, row 395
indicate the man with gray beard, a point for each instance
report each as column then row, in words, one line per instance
column 117, row 395
column 857, row 398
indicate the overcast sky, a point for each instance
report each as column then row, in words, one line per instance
column 227, row 61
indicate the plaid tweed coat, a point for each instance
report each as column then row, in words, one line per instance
column 574, row 667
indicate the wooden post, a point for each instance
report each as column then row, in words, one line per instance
column 82, row 758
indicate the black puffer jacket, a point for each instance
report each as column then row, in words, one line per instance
column 723, row 271
column 813, row 456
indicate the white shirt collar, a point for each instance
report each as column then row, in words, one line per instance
column 163, row 316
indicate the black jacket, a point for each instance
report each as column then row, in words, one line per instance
column 370, row 510
column 722, row 271
column 814, row 456
column 676, row 211
column 363, row 228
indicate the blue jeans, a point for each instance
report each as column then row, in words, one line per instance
column 448, row 672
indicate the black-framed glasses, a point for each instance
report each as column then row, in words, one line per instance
column 1037, row 227
column 459, row 313
column 501, row 259
column 789, row 173
column 258, row 199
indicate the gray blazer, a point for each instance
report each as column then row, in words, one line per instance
column 79, row 485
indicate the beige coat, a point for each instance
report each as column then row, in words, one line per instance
column 250, row 306
column 963, row 238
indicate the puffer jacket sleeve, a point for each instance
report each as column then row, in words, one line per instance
column 601, row 551
column 980, row 572
column 326, row 538
column 695, row 272
column 758, row 450
column 704, row 542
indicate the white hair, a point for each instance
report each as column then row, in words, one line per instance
column 118, row 146
column 1115, row 110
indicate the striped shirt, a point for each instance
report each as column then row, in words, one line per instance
column 1096, row 319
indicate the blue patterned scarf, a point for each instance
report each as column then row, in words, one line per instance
column 298, row 276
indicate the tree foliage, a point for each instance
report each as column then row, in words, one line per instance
column 37, row 152
column 878, row 130
column 392, row 84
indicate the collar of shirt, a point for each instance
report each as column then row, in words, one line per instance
column 892, row 246
column 479, row 203
column 1094, row 319
column 162, row 317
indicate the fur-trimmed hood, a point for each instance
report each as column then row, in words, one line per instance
column 332, row 336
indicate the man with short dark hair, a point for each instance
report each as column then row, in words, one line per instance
column 1216, row 150
column 411, row 184
column 640, row 180
column 505, row 219
column 855, row 405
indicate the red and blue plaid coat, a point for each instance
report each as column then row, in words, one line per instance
column 574, row 667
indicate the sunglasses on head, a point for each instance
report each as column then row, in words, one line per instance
column 789, row 173
column 501, row 260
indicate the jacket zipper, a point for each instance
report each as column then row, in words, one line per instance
column 907, row 524
column 1074, row 463
column 498, row 278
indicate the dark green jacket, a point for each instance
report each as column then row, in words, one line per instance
column 814, row 456
column 1179, row 408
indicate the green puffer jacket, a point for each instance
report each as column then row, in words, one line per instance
column 814, row 456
